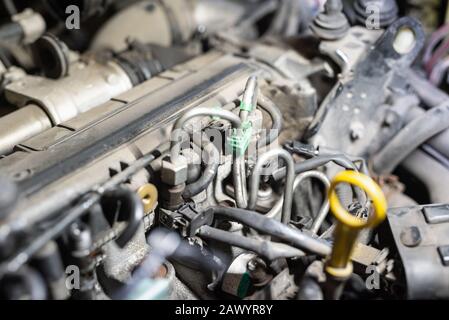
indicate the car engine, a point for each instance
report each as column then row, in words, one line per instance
column 224, row 150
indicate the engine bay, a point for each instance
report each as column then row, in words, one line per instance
column 220, row 149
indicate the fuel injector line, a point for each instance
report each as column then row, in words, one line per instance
column 266, row 249
column 274, row 212
column 198, row 112
column 265, row 225
column 239, row 179
column 247, row 105
column 255, row 180
column 276, row 119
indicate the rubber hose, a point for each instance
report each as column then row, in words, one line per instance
column 312, row 164
column 131, row 210
column 411, row 137
column 213, row 161
column 272, row 227
column 267, row 249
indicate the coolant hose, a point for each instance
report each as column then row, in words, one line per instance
column 411, row 137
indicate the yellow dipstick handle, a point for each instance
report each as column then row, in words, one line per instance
column 348, row 226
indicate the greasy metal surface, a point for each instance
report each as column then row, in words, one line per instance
column 353, row 114
column 149, row 112
column 426, row 275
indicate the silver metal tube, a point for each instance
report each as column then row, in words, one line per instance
column 255, row 180
column 250, row 96
column 199, row 112
column 322, row 214
column 276, row 210
column 249, row 100
column 239, row 175
column 21, row 125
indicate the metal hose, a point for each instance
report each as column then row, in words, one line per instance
column 274, row 212
column 288, row 193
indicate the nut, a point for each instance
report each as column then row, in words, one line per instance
column 174, row 173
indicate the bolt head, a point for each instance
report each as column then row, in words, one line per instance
column 174, row 173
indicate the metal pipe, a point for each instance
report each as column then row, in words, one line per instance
column 239, row 176
column 199, row 112
column 325, row 207
column 288, row 193
column 276, row 119
column 249, row 101
column 274, row 212
column 314, row 163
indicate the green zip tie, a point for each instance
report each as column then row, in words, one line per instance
column 240, row 142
